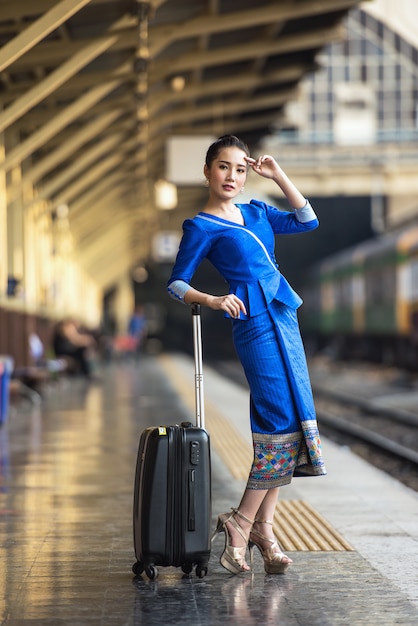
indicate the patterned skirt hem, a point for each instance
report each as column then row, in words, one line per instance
column 279, row 458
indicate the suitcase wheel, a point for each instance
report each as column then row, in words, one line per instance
column 201, row 571
column 138, row 568
column 187, row 568
column 151, row 571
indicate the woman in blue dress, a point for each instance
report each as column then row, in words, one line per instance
column 238, row 239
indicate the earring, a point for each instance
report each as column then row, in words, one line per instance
column 206, row 182
column 242, row 189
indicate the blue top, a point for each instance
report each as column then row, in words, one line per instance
column 243, row 255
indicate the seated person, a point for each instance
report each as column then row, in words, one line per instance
column 73, row 345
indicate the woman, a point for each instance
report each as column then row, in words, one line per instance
column 239, row 241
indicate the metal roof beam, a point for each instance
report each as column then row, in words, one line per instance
column 65, row 149
column 39, row 117
column 75, row 85
column 127, row 37
column 52, row 82
column 230, row 106
column 232, row 54
column 104, row 215
column 54, row 52
column 106, row 274
column 162, row 36
column 80, row 208
column 13, row 10
column 95, row 172
column 60, row 121
column 99, row 210
column 212, row 88
column 106, row 238
column 88, row 158
column 38, row 30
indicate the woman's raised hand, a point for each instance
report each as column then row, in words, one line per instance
column 265, row 165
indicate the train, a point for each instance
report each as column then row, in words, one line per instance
column 362, row 302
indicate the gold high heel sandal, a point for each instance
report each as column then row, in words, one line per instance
column 272, row 556
column 232, row 558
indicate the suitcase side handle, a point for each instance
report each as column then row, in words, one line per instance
column 197, row 344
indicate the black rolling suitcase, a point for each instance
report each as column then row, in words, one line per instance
column 172, row 495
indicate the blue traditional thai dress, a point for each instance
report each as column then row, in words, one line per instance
column 267, row 339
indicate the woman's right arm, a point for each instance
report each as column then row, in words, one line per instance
column 194, row 247
column 229, row 303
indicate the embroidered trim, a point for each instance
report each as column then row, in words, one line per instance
column 209, row 219
column 177, row 289
column 275, row 459
column 279, row 458
column 313, row 445
column 305, row 214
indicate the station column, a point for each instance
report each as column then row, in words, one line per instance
column 3, row 220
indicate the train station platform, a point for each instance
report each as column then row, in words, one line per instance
column 66, row 484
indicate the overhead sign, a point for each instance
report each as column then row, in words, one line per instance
column 165, row 245
column 186, row 158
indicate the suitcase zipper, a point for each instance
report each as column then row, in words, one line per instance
column 175, row 496
column 179, row 504
column 171, row 485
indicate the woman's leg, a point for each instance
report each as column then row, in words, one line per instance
column 250, row 503
column 258, row 505
column 243, row 518
column 262, row 534
column 268, row 505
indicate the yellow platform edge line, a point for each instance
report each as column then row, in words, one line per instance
column 222, row 432
column 296, row 524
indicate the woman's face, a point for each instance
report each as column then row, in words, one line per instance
column 227, row 173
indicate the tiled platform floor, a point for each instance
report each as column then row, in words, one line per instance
column 66, row 481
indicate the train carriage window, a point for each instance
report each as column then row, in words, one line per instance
column 343, row 295
column 311, row 298
column 414, row 279
column 328, row 297
column 380, row 284
column 358, row 289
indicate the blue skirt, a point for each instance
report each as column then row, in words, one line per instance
column 283, row 419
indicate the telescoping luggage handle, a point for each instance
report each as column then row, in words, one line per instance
column 197, row 345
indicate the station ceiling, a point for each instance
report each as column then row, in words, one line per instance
column 90, row 91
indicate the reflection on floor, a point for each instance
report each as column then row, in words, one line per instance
column 66, row 482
